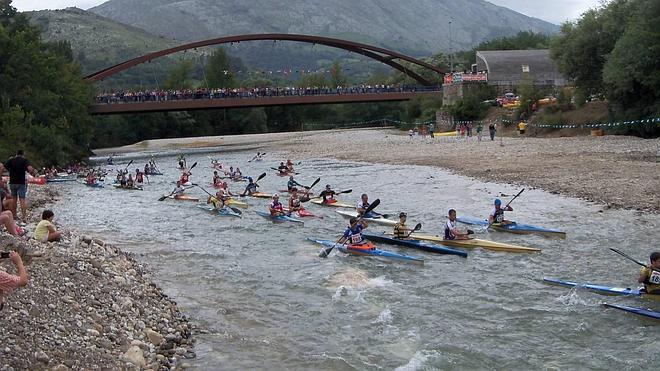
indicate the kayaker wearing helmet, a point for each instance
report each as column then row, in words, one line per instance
column 282, row 169
column 294, row 201
column 497, row 215
column 650, row 275
column 400, row 229
column 289, row 165
column 276, row 208
column 218, row 200
column 250, row 188
column 328, row 195
column 451, row 231
column 292, row 184
column 353, row 234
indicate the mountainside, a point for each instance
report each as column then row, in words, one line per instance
column 419, row 27
column 97, row 42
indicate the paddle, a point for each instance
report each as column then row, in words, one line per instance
column 325, row 251
column 417, row 228
column 237, row 211
column 507, row 204
column 307, row 189
column 337, row 193
column 162, row 198
column 632, row 259
column 129, row 164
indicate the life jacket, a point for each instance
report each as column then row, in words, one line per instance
column 449, row 235
column 399, row 231
column 498, row 215
column 354, row 234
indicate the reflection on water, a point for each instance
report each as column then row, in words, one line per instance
column 268, row 301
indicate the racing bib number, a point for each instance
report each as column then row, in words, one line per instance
column 356, row 238
column 655, row 277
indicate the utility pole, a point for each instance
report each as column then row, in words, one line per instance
column 451, row 57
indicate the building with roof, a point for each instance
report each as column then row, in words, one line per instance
column 507, row 68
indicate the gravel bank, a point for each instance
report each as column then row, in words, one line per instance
column 87, row 305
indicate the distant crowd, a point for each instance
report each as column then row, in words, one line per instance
column 130, row 96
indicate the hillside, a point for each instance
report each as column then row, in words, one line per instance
column 97, row 42
column 417, row 27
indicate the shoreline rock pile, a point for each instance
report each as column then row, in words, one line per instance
column 88, row 305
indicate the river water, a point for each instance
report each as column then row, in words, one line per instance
column 267, row 301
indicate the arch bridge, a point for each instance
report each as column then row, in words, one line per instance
column 388, row 57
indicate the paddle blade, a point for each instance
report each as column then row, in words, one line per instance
column 162, row 198
column 418, row 227
column 193, row 165
column 372, row 206
column 261, row 177
column 315, row 183
column 237, row 211
column 346, row 191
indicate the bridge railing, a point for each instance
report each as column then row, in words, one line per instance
column 175, row 95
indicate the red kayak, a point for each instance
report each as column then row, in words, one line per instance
column 304, row 213
column 41, row 180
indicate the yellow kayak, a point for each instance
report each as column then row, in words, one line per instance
column 237, row 203
column 445, row 134
column 319, row 201
column 474, row 242
column 262, row 195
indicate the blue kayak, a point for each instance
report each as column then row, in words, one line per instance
column 154, row 173
column 93, row 185
column 60, row 180
column 346, row 249
column 605, row 290
column 220, row 212
column 639, row 311
column 415, row 244
column 514, row 227
column 280, row 218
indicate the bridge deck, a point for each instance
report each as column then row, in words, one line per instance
column 218, row 103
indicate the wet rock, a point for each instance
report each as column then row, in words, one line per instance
column 135, row 356
column 154, row 337
column 41, row 356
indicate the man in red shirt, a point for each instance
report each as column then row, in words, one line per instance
column 10, row 282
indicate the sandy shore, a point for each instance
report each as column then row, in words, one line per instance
column 617, row 171
column 87, row 305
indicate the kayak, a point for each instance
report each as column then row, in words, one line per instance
column 280, row 218
column 185, row 198
column 319, row 201
column 60, row 180
column 414, row 244
column 639, row 311
column 40, row 180
column 134, row 188
column 301, row 191
column 473, row 243
column 221, row 212
column 93, row 185
column 514, row 227
column 186, row 184
column 262, row 195
column 445, row 134
column 154, row 173
column 304, row 213
column 373, row 251
column 236, row 203
column 600, row 289
column 354, row 214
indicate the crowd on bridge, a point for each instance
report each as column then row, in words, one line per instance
column 132, row 96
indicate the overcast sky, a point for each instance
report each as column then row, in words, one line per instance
column 555, row 11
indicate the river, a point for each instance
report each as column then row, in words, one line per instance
column 265, row 300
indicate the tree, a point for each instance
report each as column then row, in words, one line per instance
column 219, row 71
column 337, row 77
column 179, row 75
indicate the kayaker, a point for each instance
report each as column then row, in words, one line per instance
column 91, row 178
column 291, row 184
column 451, row 231
column 294, row 201
column 216, row 179
column 250, row 188
column 139, row 176
column 282, row 168
column 179, row 189
column 185, row 177
column 328, row 195
column 650, row 275
column 353, row 234
column 289, row 165
column 129, row 182
column 218, row 200
column 182, row 162
column 276, row 208
column 400, row 229
column 237, row 174
column 497, row 215
column 363, row 205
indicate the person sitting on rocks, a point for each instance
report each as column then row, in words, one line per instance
column 10, row 282
column 45, row 230
column 7, row 217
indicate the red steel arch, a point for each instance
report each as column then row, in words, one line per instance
column 382, row 55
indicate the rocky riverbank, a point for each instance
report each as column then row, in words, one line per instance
column 88, row 305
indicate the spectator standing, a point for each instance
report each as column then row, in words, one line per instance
column 431, row 129
column 492, row 129
column 17, row 166
column 480, row 129
column 10, row 282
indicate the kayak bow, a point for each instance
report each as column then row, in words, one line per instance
column 600, row 289
column 514, row 227
column 354, row 214
column 473, row 243
column 319, row 201
column 639, row 311
column 279, row 218
column 220, row 212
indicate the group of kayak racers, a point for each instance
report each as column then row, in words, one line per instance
column 352, row 236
